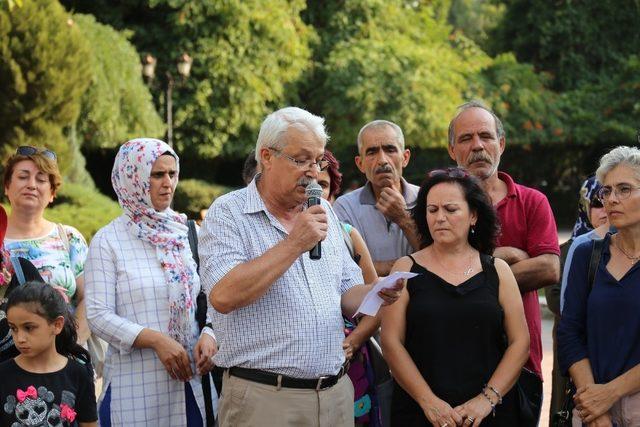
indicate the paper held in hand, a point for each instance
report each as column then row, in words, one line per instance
column 372, row 302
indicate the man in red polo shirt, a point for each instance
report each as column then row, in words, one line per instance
column 528, row 240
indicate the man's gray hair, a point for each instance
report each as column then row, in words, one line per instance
column 474, row 104
column 377, row 124
column 622, row 155
column 277, row 123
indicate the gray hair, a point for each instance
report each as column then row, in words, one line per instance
column 629, row 156
column 475, row 104
column 377, row 124
column 278, row 122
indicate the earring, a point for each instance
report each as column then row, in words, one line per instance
column 473, row 229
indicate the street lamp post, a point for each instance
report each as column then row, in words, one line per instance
column 183, row 66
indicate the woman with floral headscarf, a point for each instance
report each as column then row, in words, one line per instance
column 142, row 284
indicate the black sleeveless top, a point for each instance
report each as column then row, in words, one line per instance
column 455, row 335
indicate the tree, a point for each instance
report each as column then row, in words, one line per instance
column 529, row 110
column 246, row 54
column 575, row 41
column 388, row 59
column 476, row 18
column 43, row 72
column 117, row 105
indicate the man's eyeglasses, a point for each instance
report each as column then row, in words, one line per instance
column 621, row 191
column 27, row 150
column 449, row 172
column 321, row 165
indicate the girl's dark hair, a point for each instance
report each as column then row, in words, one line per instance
column 486, row 229
column 334, row 173
column 47, row 302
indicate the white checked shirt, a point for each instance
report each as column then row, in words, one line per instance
column 126, row 291
column 296, row 327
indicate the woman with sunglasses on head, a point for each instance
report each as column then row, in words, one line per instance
column 457, row 339
column 142, row 289
column 58, row 251
column 598, row 336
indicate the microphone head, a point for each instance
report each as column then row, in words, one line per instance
column 313, row 189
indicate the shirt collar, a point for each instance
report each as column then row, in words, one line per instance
column 254, row 202
column 511, row 185
column 368, row 198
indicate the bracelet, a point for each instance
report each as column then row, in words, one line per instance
column 493, row 405
column 497, row 393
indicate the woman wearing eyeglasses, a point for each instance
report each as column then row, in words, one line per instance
column 31, row 179
column 456, row 339
column 599, row 332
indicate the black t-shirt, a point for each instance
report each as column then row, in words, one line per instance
column 62, row 398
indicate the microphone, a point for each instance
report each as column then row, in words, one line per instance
column 314, row 194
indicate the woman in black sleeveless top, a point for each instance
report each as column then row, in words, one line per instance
column 457, row 338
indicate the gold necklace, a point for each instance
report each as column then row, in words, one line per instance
column 634, row 259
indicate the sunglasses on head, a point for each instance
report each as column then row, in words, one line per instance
column 449, row 172
column 27, row 150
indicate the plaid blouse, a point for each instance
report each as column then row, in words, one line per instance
column 126, row 291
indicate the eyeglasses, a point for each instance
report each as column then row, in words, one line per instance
column 621, row 191
column 321, row 165
column 27, row 150
column 449, row 172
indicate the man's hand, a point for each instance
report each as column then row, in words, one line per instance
column 593, row 400
column 309, row 228
column 391, row 295
column 392, row 205
column 510, row 255
column 174, row 358
column 203, row 353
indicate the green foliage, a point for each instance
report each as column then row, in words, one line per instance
column 85, row 209
column 476, row 18
column 43, row 72
column 193, row 195
column 117, row 106
column 575, row 41
column 607, row 111
column 529, row 111
column 386, row 60
column 246, row 53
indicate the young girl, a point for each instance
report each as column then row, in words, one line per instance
column 50, row 383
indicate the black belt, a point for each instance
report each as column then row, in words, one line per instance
column 269, row 378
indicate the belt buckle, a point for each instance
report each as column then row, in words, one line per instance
column 320, row 380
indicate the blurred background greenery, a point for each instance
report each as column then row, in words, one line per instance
column 564, row 76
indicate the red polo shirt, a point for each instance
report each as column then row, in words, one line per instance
column 527, row 223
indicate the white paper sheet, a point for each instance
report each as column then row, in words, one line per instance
column 372, row 302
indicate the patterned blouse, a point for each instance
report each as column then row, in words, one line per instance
column 56, row 265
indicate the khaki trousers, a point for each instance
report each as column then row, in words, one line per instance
column 247, row 403
column 624, row 413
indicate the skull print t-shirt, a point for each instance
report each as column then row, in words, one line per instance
column 57, row 399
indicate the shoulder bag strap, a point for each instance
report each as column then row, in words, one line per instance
column 193, row 241
column 63, row 236
column 201, row 318
column 17, row 269
column 596, row 254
